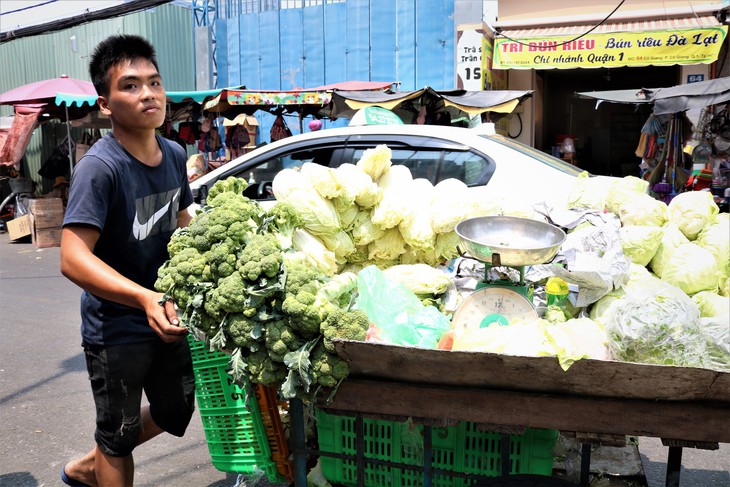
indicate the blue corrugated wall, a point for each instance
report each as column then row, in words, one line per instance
column 408, row 41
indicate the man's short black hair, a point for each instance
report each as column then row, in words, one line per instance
column 114, row 50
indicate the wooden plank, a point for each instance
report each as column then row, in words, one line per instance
column 601, row 439
column 678, row 420
column 538, row 374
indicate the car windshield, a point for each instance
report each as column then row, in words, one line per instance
column 551, row 161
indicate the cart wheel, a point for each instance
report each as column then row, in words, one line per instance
column 524, row 481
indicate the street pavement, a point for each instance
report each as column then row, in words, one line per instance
column 47, row 413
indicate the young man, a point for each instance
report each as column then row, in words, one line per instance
column 128, row 194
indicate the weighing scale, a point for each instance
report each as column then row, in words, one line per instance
column 504, row 241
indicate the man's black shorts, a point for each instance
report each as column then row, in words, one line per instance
column 120, row 373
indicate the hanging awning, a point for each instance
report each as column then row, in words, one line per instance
column 227, row 101
column 632, row 96
column 75, row 100
column 656, row 42
column 172, row 97
column 345, row 103
column 693, row 95
column 672, row 99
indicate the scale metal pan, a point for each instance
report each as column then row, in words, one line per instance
column 510, row 241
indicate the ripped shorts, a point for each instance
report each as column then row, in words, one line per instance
column 120, row 373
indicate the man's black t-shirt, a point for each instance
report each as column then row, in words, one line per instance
column 135, row 208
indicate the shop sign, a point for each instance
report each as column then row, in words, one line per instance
column 469, row 60
column 615, row 49
column 695, row 78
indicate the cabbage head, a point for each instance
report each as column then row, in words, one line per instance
column 622, row 191
column 422, row 279
column 588, row 192
column 717, row 331
column 389, row 247
column 391, row 210
column 640, row 243
column 654, row 326
column 319, row 214
column 692, row 211
column 642, row 209
column 341, row 244
column 316, row 252
column 416, row 227
column 450, row 205
column 357, row 186
column 692, row 269
column 322, row 179
column 446, row 246
column 577, row 338
column 376, row 161
column 711, row 304
column 671, row 239
column 716, row 238
column 363, row 231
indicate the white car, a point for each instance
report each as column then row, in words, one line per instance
column 497, row 165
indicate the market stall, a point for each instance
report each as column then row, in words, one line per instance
column 676, row 153
column 367, row 297
column 37, row 103
column 428, row 105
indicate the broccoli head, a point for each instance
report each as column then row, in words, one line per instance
column 244, row 331
column 300, row 290
column 346, row 325
column 181, row 239
column 263, row 370
column 232, row 216
column 222, row 258
column 260, row 257
column 300, row 308
column 229, row 185
column 197, row 227
column 229, row 296
column 180, row 274
column 327, row 368
column 281, row 339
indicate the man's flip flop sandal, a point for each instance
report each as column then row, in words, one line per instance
column 69, row 481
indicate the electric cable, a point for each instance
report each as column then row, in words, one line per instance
column 498, row 30
column 521, row 127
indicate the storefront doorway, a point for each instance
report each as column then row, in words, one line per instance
column 606, row 137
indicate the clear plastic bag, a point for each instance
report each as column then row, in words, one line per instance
column 400, row 316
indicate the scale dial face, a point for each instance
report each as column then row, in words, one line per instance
column 493, row 305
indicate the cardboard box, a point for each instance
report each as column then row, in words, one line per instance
column 19, row 227
column 47, row 212
column 46, row 237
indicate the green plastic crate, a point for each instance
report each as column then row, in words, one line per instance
column 233, row 426
column 462, row 448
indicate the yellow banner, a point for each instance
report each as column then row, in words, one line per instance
column 655, row 48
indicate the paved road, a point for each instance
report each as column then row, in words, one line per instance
column 46, row 410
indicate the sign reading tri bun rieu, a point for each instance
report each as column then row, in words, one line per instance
column 606, row 50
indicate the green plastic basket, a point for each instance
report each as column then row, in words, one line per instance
column 462, row 448
column 232, row 422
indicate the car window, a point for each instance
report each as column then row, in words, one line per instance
column 546, row 159
column 437, row 165
column 261, row 173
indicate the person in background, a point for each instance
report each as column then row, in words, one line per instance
column 128, row 194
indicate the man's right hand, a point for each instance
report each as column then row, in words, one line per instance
column 163, row 318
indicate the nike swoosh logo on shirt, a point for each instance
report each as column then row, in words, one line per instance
column 141, row 230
